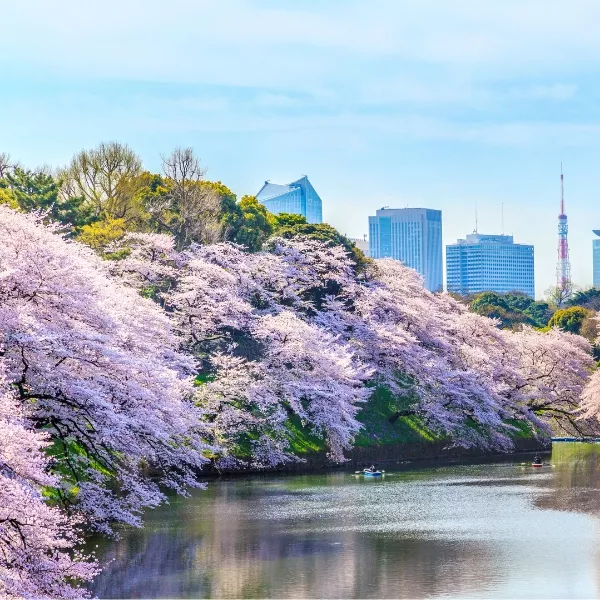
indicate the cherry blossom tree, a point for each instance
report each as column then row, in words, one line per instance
column 37, row 556
column 267, row 363
column 100, row 368
column 241, row 315
column 554, row 370
column 590, row 405
column 302, row 371
column 468, row 379
column 412, row 338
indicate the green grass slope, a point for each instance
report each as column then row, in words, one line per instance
column 378, row 430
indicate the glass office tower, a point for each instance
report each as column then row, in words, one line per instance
column 596, row 250
column 489, row 263
column 412, row 235
column 298, row 197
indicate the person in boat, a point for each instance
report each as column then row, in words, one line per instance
column 537, row 460
column 372, row 469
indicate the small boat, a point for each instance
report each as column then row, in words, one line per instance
column 369, row 473
column 537, row 461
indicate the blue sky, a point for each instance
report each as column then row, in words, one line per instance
column 446, row 104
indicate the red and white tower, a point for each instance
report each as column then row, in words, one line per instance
column 563, row 267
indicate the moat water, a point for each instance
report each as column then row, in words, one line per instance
column 495, row 530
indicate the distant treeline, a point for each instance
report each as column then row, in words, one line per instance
column 105, row 193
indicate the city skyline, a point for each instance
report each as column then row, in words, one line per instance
column 449, row 105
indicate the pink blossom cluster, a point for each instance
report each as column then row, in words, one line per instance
column 34, row 537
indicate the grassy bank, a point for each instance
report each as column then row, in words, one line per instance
column 378, row 431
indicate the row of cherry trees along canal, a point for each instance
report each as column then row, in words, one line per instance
column 123, row 378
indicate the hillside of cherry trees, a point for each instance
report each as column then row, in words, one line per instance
column 128, row 366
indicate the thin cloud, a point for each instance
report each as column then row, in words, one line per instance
column 201, row 40
column 557, row 91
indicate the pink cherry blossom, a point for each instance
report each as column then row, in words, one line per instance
column 37, row 557
column 100, row 368
column 464, row 376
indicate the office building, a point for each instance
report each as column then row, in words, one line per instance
column 362, row 244
column 489, row 263
column 596, row 250
column 413, row 236
column 298, row 197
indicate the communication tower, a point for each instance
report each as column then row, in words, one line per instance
column 563, row 267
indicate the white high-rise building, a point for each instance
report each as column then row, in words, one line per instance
column 413, row 236
column 489, row 263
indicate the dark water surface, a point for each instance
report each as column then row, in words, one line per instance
column 498, row 530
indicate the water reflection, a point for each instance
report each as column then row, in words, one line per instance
column 494, row 530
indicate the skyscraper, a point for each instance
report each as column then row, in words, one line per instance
column 489, row 263
column 298, row 197
column 412, row 235
column 596, row 250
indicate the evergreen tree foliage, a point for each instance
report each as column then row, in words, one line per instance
column 589, row 298
column 248, row 223
column 38, row 191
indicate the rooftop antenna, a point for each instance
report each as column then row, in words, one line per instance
column 562, row 191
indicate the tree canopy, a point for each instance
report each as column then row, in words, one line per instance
column 513, row 310
column 38, row 190
column 103, row 177
column 569, row 319
column 589, row 299
column 247, row 223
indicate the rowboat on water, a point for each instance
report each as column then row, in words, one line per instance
column 537, row 461
column 369, row 473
